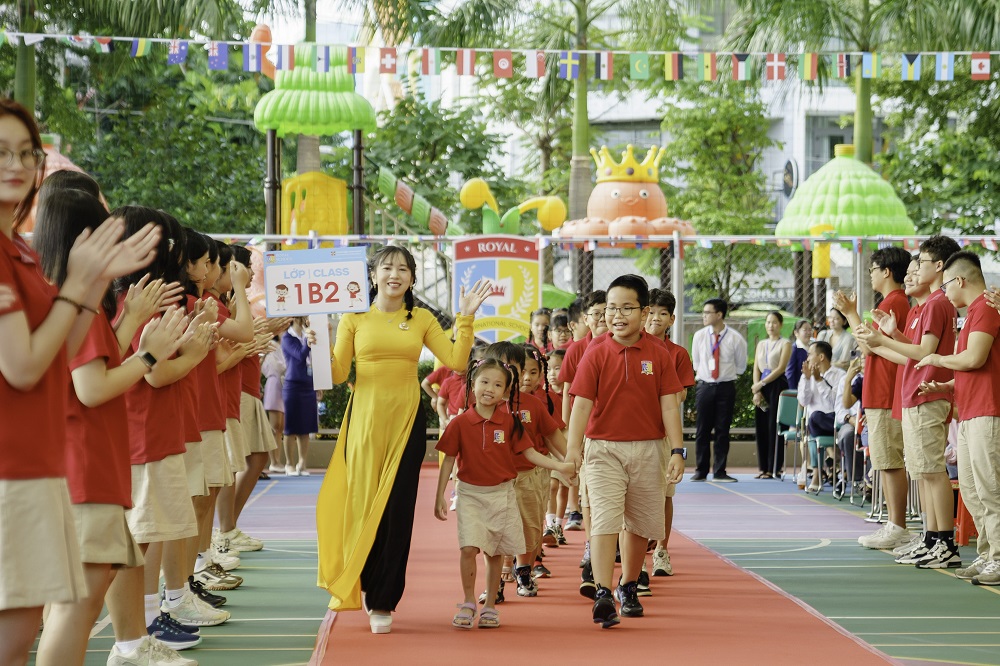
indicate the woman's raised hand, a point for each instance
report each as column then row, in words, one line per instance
column 469, row 302
column 133, row 253
column 92, row 253
column 162, row 336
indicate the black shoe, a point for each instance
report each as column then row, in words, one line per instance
column 605, row 612
column 723, row 478
column 642, row 585
column 698, row 476
column 618, row 556
column 588, row 587
column 627, row 595
column 498, row 600
column 213, row 600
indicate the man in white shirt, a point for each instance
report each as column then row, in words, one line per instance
column 818, row 393
column 719, row 355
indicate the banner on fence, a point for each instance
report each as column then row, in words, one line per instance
column 315, row 282
column 513, row 265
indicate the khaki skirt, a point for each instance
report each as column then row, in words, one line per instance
column 236, row 446
column 161, row 506
column 488, row 519
column 104, row 536
column 194, row 466
column 218, row 471
column 256, row 428
column 39, row 553
column 532, row 491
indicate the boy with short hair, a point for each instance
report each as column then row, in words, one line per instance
column 625, row 393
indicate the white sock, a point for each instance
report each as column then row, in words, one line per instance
column 152, row 604
column 923, row 522
column 561, row 522
column 174, row 596
column 128, row 647
column 550, row 519
column 201, row 562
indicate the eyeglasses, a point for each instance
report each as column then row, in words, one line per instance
column 875, row 268
column 708, row 312
column 945, row 285
column 30, row 159
column 596, row 313
column 624, row 311
column 921, row 261
column 561, row 331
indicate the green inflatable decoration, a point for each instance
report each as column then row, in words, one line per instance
column 308, row 102
column 848, row 196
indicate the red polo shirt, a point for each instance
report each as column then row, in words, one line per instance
column 189, row 406
column 879, row 390
column 485, row 448
column 538, row 424
column 439, row 374
column 556, row 404
column 683, row 366
column 250, row 375
column 938, row 318
column 33, row 434
column 97, row 448
column 567, row 371
column 452, row 391
column 211, row 397
column 626, row 384
column 977, row 392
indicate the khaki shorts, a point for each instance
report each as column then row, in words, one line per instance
column 104, row 536
column 257, row 431
column 669, row 489
column 625, row 484
column 218, row 471
column 236, row 446
column 161, row 506
column 532, row 491
column 885, row 439
column 39, row 553
column 488, row 519
column 582, row 477
column 925, row 436
column 194, row 466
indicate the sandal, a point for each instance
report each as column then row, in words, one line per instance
column 761, row 475
column 489, row 618
column 507, row 575
column 464, row 617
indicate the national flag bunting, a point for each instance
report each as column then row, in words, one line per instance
column 740, row 66
column 534, row 64
column 32, row 38
column 569, row 64
column 253, row 54
column 990, row 244
column 808, row 66
column 140, row 47
column 673, row 66
column 218, row 56
column 356, row 59
column 177, row 52
column 322, row 63
column 104, row 44
column 871, row 65
column 775, row 67
column 980, row 66
column 73, row 40
column 638, row 66
column 843, row 65
column 944, row 66
column 466, row 62
column 430, row 62
column 387, row 60
column 604, row 65
column 910, row 70
column 706, row 67
column 285, row 58
column 503, row 64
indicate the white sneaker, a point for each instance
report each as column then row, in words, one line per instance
column 661, row 563
column 225, row 557
column 217, row 579
column 241, row 542
column 973, row 570
column 888, row 537
column 291, row 471
column 910, row 546
column 150, row 652
column 192, row 610
column 380, row 622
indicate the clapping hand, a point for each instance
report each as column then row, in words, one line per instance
column 930, row 359
column 993, row 297
column 162, row 336
column 469, row 302
column 868, row 336
column 886, row 321
column 926, row 388
column 845, row 302
column 133, row 253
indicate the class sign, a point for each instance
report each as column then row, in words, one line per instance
column 315, row 282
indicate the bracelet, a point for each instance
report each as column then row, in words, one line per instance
column 80, row 307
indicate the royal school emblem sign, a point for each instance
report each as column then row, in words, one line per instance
column 513, row 265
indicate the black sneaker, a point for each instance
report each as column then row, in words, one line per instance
column 627, row 595
column 605, row 612
column 540, row 571
column 698, row 476
column 588, row 587
column 213, row 600
column 722, row 478
column 168, row 632
column 167, row 618
column 642, row 585
column 618, row 555
column 498, row 600
column 525, row 583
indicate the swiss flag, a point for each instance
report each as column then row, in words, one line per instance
column 387, row 61
column 980, row 66
column 775, row 66
column 503, row 64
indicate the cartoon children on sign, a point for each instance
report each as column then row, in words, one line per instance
column 354, row 290
column 281, row 291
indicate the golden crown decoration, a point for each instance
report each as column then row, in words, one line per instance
column 629, row 169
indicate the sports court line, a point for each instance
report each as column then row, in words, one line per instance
column 257, row 496
column 751, row 499
column 823, row 543
column 928, row 633
column 826, row 566
column 914, row 617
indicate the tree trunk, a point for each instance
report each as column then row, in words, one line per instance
column 863, row 120
column 24, row 69
column 579, row 168
column 307, row 153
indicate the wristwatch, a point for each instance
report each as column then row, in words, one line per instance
column 683, row 453
column 148, row 359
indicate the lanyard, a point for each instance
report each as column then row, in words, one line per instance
column 718, row 342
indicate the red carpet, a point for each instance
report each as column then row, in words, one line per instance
column 709, row 612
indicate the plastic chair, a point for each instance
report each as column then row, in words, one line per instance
column 964, row 527
column 788, row 416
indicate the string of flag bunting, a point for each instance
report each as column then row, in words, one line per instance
column 676, row 65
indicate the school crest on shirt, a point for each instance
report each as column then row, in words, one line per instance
column 646, row 367
column 498, row 437
column 525, row 416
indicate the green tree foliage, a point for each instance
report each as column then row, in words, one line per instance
column 717, row 135
column 944, row 165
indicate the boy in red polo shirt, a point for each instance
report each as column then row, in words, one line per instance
column 926, row 416
column 976, row 364
column 626, row 403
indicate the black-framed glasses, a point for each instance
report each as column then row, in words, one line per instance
column 623, row 311
column 921, row 261
column 708, row 312
column 945, row 285
column 596, row 313
column 30, row 158
column 875, row 268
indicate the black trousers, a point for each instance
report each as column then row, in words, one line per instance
column 384, row 574
column 714, row 402
column 766, row 426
